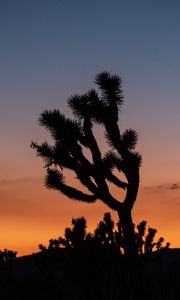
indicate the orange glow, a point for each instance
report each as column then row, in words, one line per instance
column 31, row 215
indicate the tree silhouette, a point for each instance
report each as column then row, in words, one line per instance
column 72, row 136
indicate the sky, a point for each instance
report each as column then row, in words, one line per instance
column 51, row 49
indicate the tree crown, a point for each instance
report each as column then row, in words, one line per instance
column 72, row 135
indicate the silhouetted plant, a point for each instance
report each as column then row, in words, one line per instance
column 92, row 257
column 7, row 258
column 72, row 136
column 106, row 235
column 78, row 232
column 146, row 239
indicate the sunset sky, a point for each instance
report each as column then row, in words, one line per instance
column 51, row 49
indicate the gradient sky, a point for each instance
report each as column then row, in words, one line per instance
column 50, row 49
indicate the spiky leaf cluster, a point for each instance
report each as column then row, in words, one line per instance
column 110, row 86
column 129, row 139
column 62, row 129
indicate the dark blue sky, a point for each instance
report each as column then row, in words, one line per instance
column 52, row 49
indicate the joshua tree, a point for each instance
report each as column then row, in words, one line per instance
column 71, row 136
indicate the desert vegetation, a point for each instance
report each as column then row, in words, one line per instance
column 125, row 245
column 117, row 260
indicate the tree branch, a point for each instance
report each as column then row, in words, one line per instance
column 112, row 178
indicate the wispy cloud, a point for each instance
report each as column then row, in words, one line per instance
column 10, row 182
column 174, row 186
column 170, row 186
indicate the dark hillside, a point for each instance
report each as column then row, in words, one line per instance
column 39, row 276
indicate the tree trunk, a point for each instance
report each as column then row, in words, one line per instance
column 132, row 265
column 130, row 247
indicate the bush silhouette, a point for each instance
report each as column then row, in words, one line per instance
column 106, row 235
column 90, row 259
column 7, row 258
column 146, row 239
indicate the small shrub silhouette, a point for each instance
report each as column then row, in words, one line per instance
column 7, row 258
column 146, row 239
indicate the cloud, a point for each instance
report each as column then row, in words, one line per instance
column 3, row 182
column 10, row 182
column 174, row 186
column 171, row 186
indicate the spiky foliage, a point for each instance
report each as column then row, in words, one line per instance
column 71, row 136
column 106, row 235
column 145, row 239
column 129, row 138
